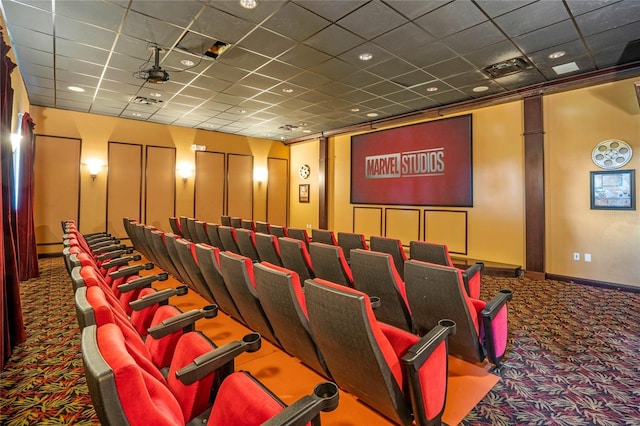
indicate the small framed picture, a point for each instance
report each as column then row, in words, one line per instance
column 613, row 190
column 303, row 193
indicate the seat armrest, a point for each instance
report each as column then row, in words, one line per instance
column 113, row 254
column 184, row 321
column 218, row 358
column 416, row 357
column 121, row 261
column 142, row 282
column 109, row 248
column 131, row 270
column 470, row 272
column 96, row 235
column 492, row 308
column 325, row 397
column 160, row 297
column 102, row 242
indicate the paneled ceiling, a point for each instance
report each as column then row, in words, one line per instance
column 295, row 67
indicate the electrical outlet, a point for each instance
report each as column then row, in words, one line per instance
column 576, row 256
column 587, row 257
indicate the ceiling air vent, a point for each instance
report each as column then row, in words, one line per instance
column 289, row 127
column 141, row 100
column 510, row 66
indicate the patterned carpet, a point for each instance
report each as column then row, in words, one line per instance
column 573, row 357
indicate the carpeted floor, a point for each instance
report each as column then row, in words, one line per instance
column 573, row 357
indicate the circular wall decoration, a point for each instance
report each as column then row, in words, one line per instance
column 304, row 171
column 611, row 154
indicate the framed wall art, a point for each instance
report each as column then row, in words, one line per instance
column 303, row 193
column 613, row 190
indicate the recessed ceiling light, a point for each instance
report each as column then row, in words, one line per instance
column 355, row 109
column 136, row 114
column 306, row 131
column 75, row 89
column 556, row 55
column 365, row 56
column 243, row 111
column 431, row 89
column 287, row 90
column 479, row 89
column 372, row 114
column 249, row 4
column 303, row 124
column 187, row 63
column 155, row 94
column 566, row 68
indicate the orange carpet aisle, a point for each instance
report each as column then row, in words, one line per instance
column 289, row 379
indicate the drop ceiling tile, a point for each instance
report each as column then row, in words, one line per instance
column 77, row 31
column 179, row 13
column 35, row 57
column 467, row 78
column 303, row 56
column 295, row 104
column 574, row 49
column 357, row 96
column 353, row 56
column 279, row 70
column 150, row 30
column 531, row 17
column 402, row 96
column 413, row 9
column 407, row 37
column 32, row 39
column 428, row 55
column 524, row 79
column 394, row 109
column 259, row 81
column 335, row 88
column 383, row 88
column 37, row 4
column 450, row 96
column 310, row 80
column 331, row 10
column 266, row 43
column 241, row 58
column 221, row 26
column 334, row 40
column 241, row 91
column 227, row 99
column 74, row 65
column 578, row 7
column 376, row 103
column 609, row 17
column 547, row 37
column 134, row 48
column 36, row 70
column 100, row 13
column 66, row 78
column 314, row 97
column 474, row 38
column 41, row 91
column 72, row 105
column 269, row 98
column 105, row 110
column 391, row 68
column 360, row 78
column 295, row 22
column 608, row 57
column 412, row 78
column 209, row 84
column 226, row 72
column 495, row 8
column 451, row 18
column 335, row 69
column 73, row 49
column 492, row 89
column 449, row 67
column 584, row 64
column 360, row 21
column 259, row 14
column 21, row 15
column 317, row 109
column 493, row 54
column 189, row 101
column 42, row 101
column 185, row 77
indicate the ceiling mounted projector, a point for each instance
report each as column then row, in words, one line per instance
column 155, row 74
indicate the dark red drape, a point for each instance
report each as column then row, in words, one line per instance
column 11, row 324
column 26, row 238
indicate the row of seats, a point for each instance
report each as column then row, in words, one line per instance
column 308, row 321
column 159, row 370
column 271, row 300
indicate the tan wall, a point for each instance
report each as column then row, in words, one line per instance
column 96, row 130
column 575, row 122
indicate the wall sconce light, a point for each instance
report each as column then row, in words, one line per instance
column 94, row 166
column 260, row 174
column 185, row 170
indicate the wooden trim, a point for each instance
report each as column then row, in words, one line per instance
column 353, row 216
column 466, row 227
column 401, row 209
column 534, row 184
column 323, row 175
column 594, row 283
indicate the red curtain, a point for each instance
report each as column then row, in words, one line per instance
column 11, row 324
column 26, row 237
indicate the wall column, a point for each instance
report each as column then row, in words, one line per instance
column 323, row 193
column 534, row 187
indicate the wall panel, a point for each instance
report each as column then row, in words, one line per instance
column 240, row 186
column 367, row 221
column 160, row 186
column 277, row 191
column 403, row 224
column 124, row 185
column 447, row 227
column 56, row 186
column 209, row 186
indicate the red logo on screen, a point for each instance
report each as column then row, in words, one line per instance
column 426, row 162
